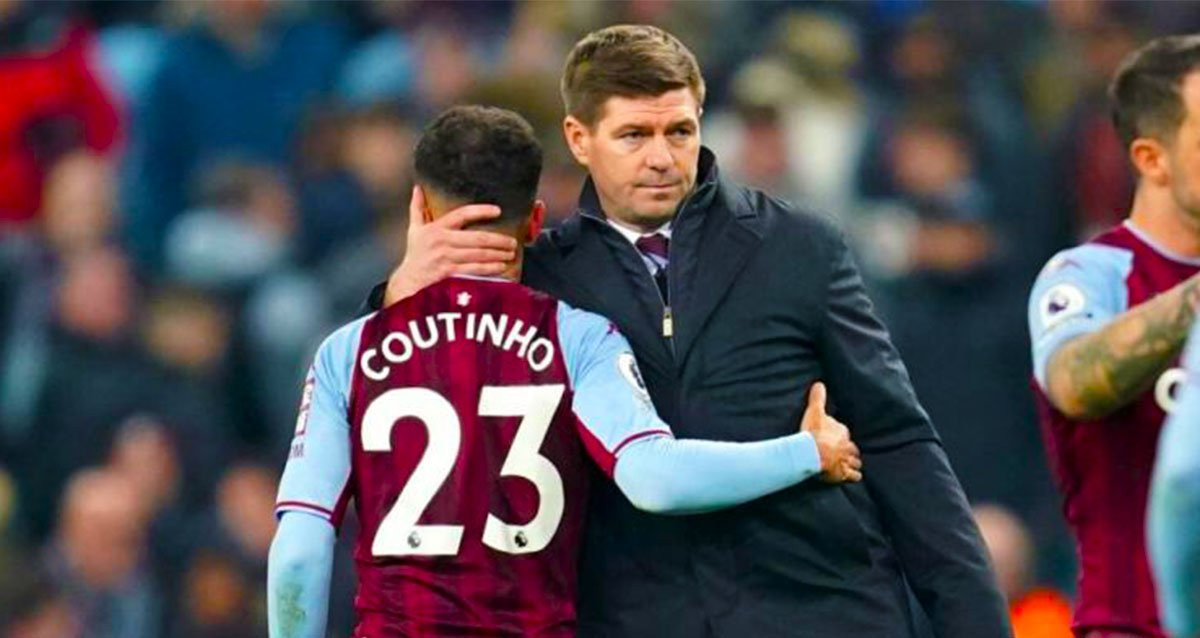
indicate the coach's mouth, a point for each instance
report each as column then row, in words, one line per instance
column 659, row 187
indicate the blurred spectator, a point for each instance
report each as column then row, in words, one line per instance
column 242, row 242
column 1093, row 174
column 755, row 132
column 216, row 601
column 32, row 605
column 799, row 116
column 1058, row 70
column 447, row 67
column 90, row 378
column 79, row 209
column 78, row 214
column 186, row 335
column 229, row 86
column 144, row 454
column 283, row 323
column 537, row 41
column 241, row 232
column 344, row 272
column 95, row 377
column 1036, row 612
column 246, row 510
column 225, row 585
column 334, row 207
column 148, row 453
column 939, row 223
column 925, row 66
column 942, row 260
column 54, row 102
column 98, row 557
column 377, row 150
column 187, row 331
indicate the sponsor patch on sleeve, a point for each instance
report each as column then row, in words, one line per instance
column 1060, row 303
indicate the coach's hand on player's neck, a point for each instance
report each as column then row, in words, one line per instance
column 435, row 205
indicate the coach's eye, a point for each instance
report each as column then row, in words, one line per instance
column 632, row 135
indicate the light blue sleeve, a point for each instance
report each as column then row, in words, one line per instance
column 298, row 571
column 318, row 465
column 655, row 471
column 1174, row 513
column 611, row 398
column 1077, row 292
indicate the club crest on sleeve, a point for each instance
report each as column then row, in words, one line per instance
column 1060, row 303
column 310, row 383
column 628, row 367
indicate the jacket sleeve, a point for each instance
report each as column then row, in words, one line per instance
column 921, row 504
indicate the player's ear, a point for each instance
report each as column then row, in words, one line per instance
column 579, row 138
column 1150, row 157
column 426, row 208
column 537, row 218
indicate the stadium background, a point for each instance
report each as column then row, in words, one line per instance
column 193, row 193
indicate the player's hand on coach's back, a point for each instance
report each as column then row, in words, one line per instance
column 840, row 460
column 439, row 248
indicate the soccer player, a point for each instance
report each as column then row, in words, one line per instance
column 1174, row 515
column 459, row 419
column 1108, row 320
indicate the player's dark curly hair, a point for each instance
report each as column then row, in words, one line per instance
column 481, row 155
column 1144, row 92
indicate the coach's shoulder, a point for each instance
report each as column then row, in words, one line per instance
column 781, row 220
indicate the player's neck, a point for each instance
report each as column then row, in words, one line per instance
column 513, row 271
column 1157, row 215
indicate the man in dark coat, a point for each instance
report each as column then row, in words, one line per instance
column 734, row 303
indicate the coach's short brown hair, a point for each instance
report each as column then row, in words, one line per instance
column 626, row 60
column 1144, row 92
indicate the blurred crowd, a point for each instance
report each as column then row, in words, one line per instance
column 192, row 194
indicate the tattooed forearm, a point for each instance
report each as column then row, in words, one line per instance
column 291, row 611
column 1093, row 375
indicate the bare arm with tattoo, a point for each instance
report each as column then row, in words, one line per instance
column 1094, row 374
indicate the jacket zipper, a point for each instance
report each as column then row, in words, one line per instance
column 668, row 319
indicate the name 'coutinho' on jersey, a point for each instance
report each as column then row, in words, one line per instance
column 398, row 347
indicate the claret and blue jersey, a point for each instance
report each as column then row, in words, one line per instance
column 1103, row 466
column 459, row 422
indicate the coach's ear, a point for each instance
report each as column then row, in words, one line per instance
column 537, row 218
column 579, row 138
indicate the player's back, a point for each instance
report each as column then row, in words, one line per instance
column 467, row 470
column 1103, row 466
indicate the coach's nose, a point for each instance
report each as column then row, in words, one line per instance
column 658, row 155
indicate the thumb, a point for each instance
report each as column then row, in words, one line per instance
column 416, row 208
column 816, row 405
